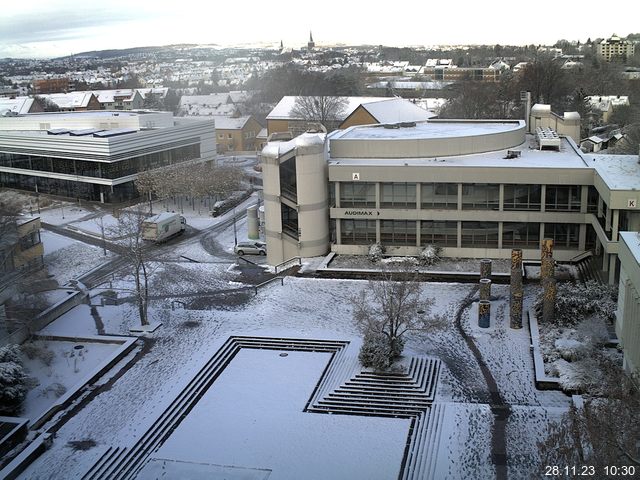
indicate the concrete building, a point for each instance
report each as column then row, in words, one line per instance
column 475, row 188
column 97, row 155
column 52, row 85
column 616, row 49
column 20, row 246
column 628, row 314
column 239, row 134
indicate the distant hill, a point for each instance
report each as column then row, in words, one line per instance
column 103, row 54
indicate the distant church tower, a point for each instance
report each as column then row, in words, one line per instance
column 311, row 43
column 281, row 45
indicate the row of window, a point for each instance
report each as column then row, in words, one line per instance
column 475, row 196
column 445, row 233
column 87, row 168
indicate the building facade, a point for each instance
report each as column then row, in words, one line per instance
column 239, row 134
column 21, row 248
column 615, row 49
column 475, row 188
column 628, row 313
column 97, row 155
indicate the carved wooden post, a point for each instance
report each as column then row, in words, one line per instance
column 485, row 268
column 549, row 300
column 484, row 313
column 547, row 269
column 516, row 289
column 548, row 281
column 485, row 289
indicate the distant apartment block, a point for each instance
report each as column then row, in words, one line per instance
column 457, row 74
column 52, row 85
column 615, row 49
column 121, row 99
column 97, row 155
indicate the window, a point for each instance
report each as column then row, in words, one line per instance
column 520, row 235
column 398, row 195
column 563, row 198
column 480, row 234
column 220, row 136
column 439, row 195
column 30, row 240
column 229, row 136
column 480, row 196
column 444, row 234
column 358, row 232
column 289, row 218
column 398, row 232
column 522, row 197
column 288, row 180
column 357, row 194
column 592, row 200
column 564, row 235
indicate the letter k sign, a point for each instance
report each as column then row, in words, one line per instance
column 632, row 203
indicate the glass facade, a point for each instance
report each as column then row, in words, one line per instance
column 398, row 232
column 443, row 234
column 288, row 180
column 358, row 232
column 357, row 194
column 563, row 198
column 522, row 197
column 289, row 221
column 480, row 234
column 398, row 195
column 480, row 196
column 520, row 235
column 110, row 170
column 565, row 235
column 439, row 196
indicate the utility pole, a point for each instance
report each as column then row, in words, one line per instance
column 235, row 231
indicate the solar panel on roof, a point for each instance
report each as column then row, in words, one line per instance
column 57, row 131
column 84, row 131
column 115, row 132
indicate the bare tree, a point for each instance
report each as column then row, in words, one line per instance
column 129, row 230
column 325, row 109
column 604, row 431
column 385, row 312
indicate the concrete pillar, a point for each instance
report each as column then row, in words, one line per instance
column 252, row 223
column 484, row 313
column 485, row 268
column 516, row 289
column 485, row 289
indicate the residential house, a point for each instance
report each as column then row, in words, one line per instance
column 239, row 134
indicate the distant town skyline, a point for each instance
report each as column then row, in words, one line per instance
column 63, row 27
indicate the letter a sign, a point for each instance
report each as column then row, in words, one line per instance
column 632, row 203
column 355, row 176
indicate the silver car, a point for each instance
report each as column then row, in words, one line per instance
column 251, row 248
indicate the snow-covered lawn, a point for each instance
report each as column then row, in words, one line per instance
column 68, row 259
column 444, row 265
column 64, row 367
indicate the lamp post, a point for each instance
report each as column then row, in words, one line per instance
column 235, row 231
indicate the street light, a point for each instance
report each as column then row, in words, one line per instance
column 235, row 231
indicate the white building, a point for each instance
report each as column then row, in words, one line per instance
column 628, row 314
column 475, row 188
column 96, row 155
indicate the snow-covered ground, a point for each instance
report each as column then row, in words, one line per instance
column 68, row 259
column 443, row 265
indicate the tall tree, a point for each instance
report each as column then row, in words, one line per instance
column 325, row 109
column 546, row 81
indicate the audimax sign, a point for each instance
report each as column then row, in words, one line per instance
column 361, row 213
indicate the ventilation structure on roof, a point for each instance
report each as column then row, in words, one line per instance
column 114, row 133
column 547, row 139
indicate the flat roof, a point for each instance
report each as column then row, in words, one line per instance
column 428, row 129
column 530, row 157
column 619, row 172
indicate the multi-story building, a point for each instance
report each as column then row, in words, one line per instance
column 237, row 134
column 52, row 85
column 97, row 155
column 458, row 74
column 628, row 314
column 20, row 245
column 121, row 99
column 475, row 188
column 615, row 48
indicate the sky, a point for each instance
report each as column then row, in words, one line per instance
column 52, row 28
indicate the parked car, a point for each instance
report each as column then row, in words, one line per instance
column 251, row 248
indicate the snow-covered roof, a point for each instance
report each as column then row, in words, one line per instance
column 16, row 105
column 632, row 240
column 393, row 110
column 156, row 91
column 263, row 134
column 604, row 102
column 213, row 100
column 619, row 172
column 229, row 123
column 109, row 96
column 70, row 100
